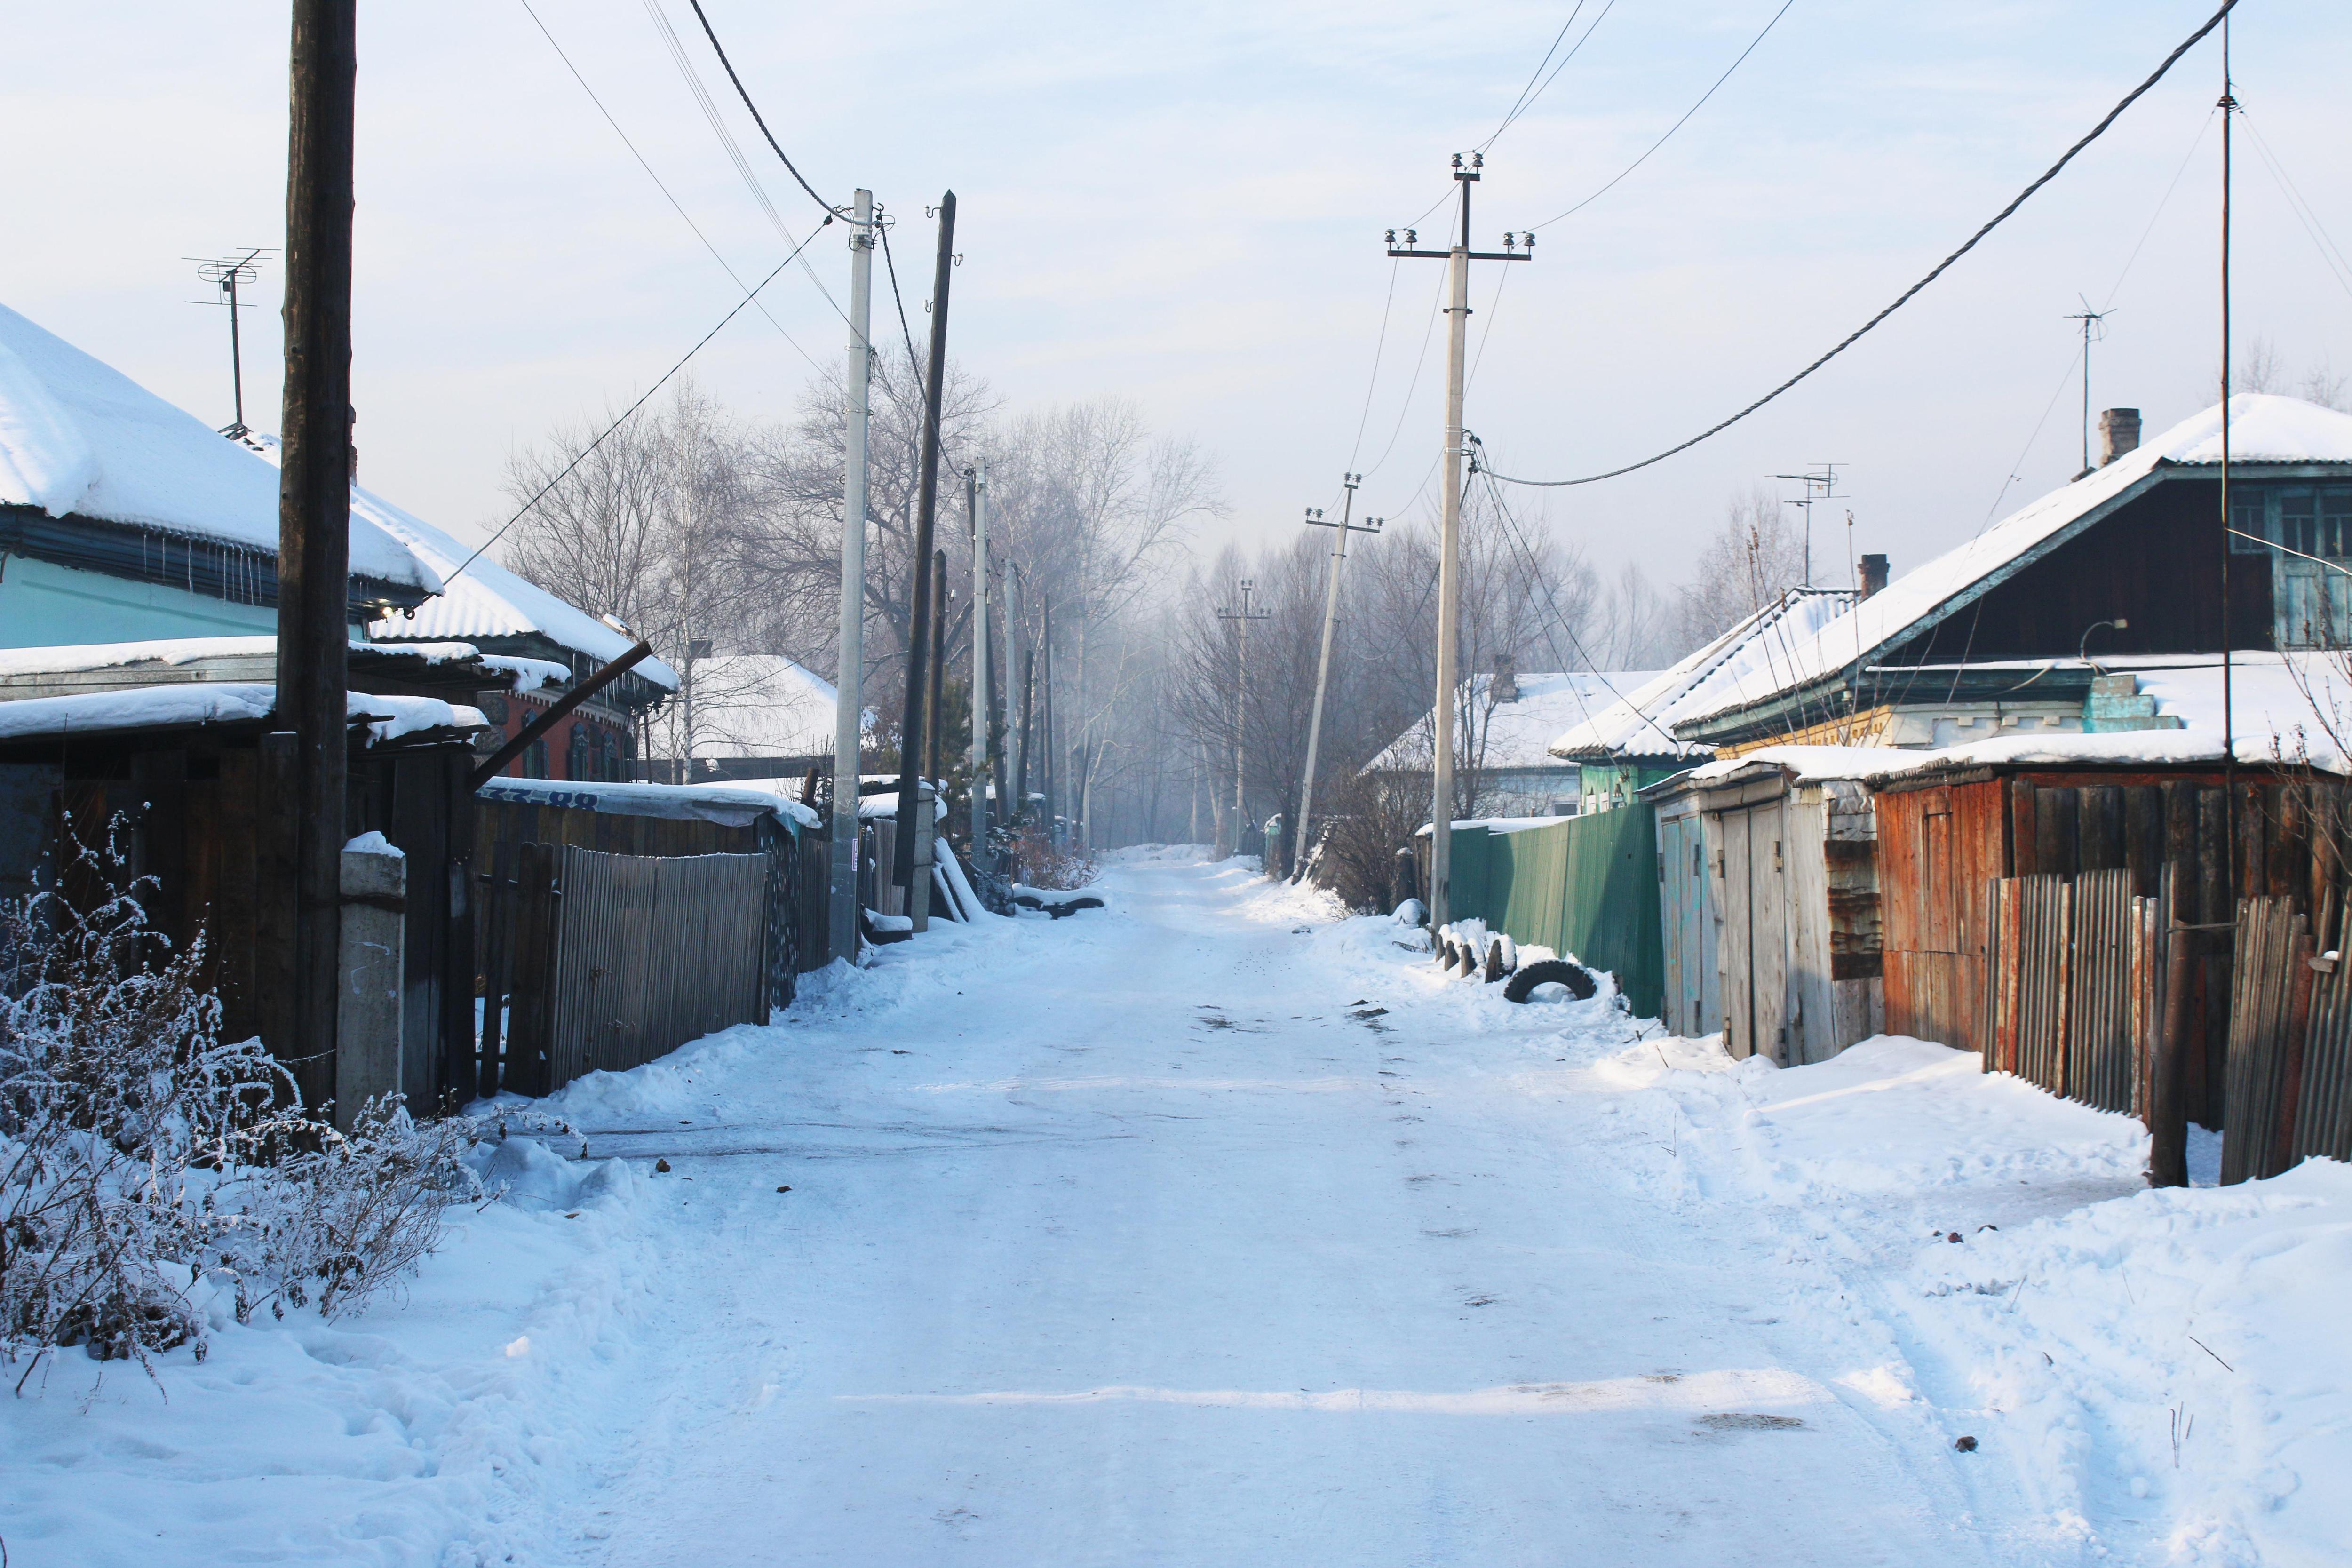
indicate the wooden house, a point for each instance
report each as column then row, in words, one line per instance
column 203, row 797
column 1508, row 720
column 123, row 517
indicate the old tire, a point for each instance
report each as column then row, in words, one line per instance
column 1551, row 971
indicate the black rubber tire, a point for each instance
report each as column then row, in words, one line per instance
column 1551, row 971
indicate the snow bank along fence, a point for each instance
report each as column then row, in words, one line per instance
column 621, row 923
column 1768, row 896
column 2029, row 913
column 1581, row 885
column 206, row 793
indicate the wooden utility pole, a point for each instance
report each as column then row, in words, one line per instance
column 1049, row 741
column 980, row 709
column 1323, row 662
column 1241, row 619
column 849, row 704
column 1449, row 559
column 918, row 639
column 938, row 674
column 314, row 522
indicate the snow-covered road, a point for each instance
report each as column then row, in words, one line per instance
column 1159, row 1245
column 1211, row 1229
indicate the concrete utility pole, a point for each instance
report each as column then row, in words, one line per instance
column 1323, row 663
column 1449, row 560
column 1016, row 728
column 1241, row 619
column 311, row 747
column 904, row 871
column 849, row 711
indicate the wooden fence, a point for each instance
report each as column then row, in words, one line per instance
column 600, row 962
column 2289, row 1044
column 2073, row 985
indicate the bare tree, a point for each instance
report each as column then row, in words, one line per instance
column 1755, row 558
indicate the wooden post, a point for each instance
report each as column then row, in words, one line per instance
column 314, row 500
column 2300, row 980
column 498, row 906
column 2168, row 1107
column 2209, row 1044
column 2143, row 837
column 2023, row 836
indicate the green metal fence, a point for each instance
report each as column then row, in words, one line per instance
column 1583, row 884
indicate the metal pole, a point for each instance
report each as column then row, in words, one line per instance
column 1299, row 839
column 848, row 710
column 1449, row 581
column 314, row 529
column 980, row 706
column 918, row 639
column 2228, row 107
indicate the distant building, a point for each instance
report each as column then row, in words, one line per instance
column 752, row 716
column 1505, row 720
column 1633, row 743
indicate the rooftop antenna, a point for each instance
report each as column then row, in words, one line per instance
column 1819, row 486
column 2094, row 330
column 229, row 273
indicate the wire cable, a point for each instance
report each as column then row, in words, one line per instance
column 1678, row 124
column 1379, row 348
column 1908, row 294
column 743, row 93
column 733, row 149
column 1534, row 75
column 1527, row 99
column 724, row 266
column 633, row 407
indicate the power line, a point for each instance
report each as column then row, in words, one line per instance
column 749, row 294
column 633, row 407
column 693, row 79
column 1678, row 124
column 741, row 93
column 1379, row 348
column 1533, row 75
column 1527, row 99
column 1906, row 295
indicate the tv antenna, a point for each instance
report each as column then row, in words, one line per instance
column 2094, row 329
column 1819, row 486
column 228, row 274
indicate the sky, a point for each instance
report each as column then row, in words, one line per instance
column 1185, row 205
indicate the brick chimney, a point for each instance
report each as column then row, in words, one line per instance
column 1873, row 574
column 2119, row 434
column 1507, row 678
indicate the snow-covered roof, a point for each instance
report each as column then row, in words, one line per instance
column 489, row 601
column 762, row 705
column 731, row 804
column 181, row 653
column 2281, row 708
column 1744, row 663
column 215, row 703
column 2263, row 428
column 79, row 438
column 1517, row 733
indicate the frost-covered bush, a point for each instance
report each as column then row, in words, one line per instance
column 141, row 1155
column 1045, row 864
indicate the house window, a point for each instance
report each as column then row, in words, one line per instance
column 2308, row 528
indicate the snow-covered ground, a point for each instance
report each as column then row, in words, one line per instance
column 1210, row 1228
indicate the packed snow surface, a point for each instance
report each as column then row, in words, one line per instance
column 1210, row 1228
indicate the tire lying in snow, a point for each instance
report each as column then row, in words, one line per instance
column 1551, row 971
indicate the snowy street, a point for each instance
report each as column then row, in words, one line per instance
column 1211, row 1229
column 1185, row 1261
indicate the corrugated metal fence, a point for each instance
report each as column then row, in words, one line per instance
column 1585, row 885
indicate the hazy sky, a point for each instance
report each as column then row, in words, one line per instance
column 1184, row 204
